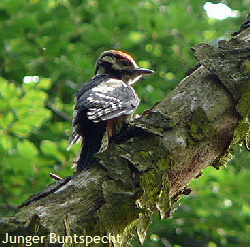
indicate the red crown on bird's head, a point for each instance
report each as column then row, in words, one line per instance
column 123, row 54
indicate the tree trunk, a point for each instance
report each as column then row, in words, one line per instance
column 148, row 166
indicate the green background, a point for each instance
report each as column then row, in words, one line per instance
column 59, row 41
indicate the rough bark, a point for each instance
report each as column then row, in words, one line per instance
column 149, row 166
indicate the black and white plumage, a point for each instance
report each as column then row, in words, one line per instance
column 104, row 104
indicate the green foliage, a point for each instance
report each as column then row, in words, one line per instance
column 59, row 41
column 23, row 161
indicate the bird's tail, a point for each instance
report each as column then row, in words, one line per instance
column 93, row 141
column 85, row 158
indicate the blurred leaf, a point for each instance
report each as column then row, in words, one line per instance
column 44, row 83
column 27, row 149
column 50, row 148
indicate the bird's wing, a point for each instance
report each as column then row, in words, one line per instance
column 110, row 99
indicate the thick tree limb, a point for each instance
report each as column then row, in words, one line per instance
column 150, row 165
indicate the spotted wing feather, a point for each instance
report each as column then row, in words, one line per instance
column 112, row 98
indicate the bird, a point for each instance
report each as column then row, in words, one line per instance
column 104, row 104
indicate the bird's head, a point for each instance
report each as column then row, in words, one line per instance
column 120, row 65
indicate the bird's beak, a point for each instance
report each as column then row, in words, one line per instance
column 138, row 72
column 142, row 71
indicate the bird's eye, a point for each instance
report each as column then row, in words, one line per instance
column 124, row 63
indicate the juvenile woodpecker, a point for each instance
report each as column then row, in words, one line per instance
column 104, row 104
